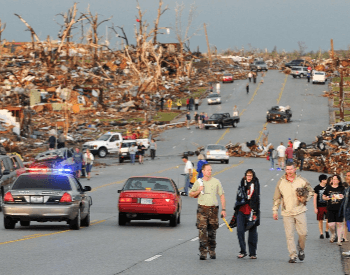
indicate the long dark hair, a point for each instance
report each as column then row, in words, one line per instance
column 249, row 171
column 338, row 177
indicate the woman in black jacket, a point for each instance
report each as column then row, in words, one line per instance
column 247, row 209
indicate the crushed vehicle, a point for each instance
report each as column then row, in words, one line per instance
column 279, row 113
column 109, row 143
column 46, row 196
column 214, row 98
column 227, row 77
column 216, row 152
column 259, row 65
column 324, row 141
column 58, row 159
column 220, row 120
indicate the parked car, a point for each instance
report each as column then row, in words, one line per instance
column 318, row 77
column 145, row 198
column 220, row 120
column 258, row 66
column 227, row 77
column 297, row 62
column 216, row 152
column 124, row 150
column 43, row 197
column 214, row 98
column 299, row 71
column 279, row 113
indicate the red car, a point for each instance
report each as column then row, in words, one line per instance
column 145, row 198
column 227, row 78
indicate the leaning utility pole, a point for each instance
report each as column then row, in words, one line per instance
column 206, row 36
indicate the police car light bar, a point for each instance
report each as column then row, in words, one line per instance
column 48, row 170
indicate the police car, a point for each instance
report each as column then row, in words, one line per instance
column 44, row 195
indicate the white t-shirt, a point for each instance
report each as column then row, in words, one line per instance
column 296, row 144
column 188, row 167
column 281, row 150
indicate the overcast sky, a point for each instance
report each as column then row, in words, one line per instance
column 230, row 23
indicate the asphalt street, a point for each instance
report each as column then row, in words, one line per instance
column 152, row 247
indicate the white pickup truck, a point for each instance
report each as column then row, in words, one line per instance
column 109, row 143
column 318, row 77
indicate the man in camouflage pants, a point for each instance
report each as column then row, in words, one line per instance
column 207, row 189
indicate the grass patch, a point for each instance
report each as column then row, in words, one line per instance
column 165, row 116
column 346, row 112
column 336, row 101
column 337, row 79
column 347, row 118
column 337, row 89
column 136, row 119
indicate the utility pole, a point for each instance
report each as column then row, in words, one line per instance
column 341, row 96
column 206, row 36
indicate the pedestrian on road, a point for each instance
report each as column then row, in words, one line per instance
column 346, row 185
column 247, row 208
column 320, row 205
column 289, row 154
column 250, row 76
column 200, row 163
column 206, row 117
column 78, row 159
column 265, row 135
column 196, row 119
column 308, row 75
column 187, row 104
column 162, row 103
column 153, row 148
column 290, row 143
column 188, row 120
column 132, row 152
column 271, row 154
column 179, row 103
column 235, row 111
column 296, row 144
column 293, row 210
column 141, row 152
column 300, row 156
column 88, row 161
column 61, row 141
column 191, row 103
column 247, row 88
column 281, row 152
column 207, row 189
column 254, row 76
column 201, row 120
column 187, row 173
column 196, row 103
column 169, row 103
column 334, row 195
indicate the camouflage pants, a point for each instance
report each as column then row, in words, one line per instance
column 207, row 223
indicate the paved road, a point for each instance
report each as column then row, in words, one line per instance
column 152, row 247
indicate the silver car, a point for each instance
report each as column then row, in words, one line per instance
column 214, row 98
column 299, row 71
column 44, row 197
column 216, row 152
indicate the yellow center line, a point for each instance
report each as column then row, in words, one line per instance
column 260, row 133
column 222, row 137
column 227, row 168
column 255, row 93
column 282, row 89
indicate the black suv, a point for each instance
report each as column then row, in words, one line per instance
column 279, row 113
column 297, row 62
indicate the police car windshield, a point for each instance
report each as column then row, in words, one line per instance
column 104, row 137
column 42, row 182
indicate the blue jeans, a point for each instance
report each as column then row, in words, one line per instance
column 272, row 162
column 132, row 158
column 187, row 183
column 252, row 237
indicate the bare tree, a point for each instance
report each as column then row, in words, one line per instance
column 118, row 35
column 302, row 47
column 156, row 22
column 92, row 34
column 2, row 28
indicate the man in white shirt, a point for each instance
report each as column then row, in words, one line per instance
column 188, row 174
column 250, row 76
column 296, row 144
column 281, row 151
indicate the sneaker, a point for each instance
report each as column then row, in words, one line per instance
column 292, row 260
column 301, row 255
column 212, row 255
column 271, row 169
column 202, row 257
column 327, row 234
column 278, row 169
column 321, row 236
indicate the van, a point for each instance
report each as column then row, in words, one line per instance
column 318, row 77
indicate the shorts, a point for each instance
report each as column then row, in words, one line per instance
column 88, row 167
column 281, row 159
column 333, row 216
column 322, row 213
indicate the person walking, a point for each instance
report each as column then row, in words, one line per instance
column 300, row 154
column 308, row 75
column 247, row 88
column 235, row 111
column 169, row 103
column 191, row 103
column 187, row 173
column 162, row 103
column 88, row 161
column 153, row 148
column 200, row 163
column 293, row 210
column 265, row 136
column 320, row 205
column 78, row 159
column 289, row 154
column 179, row 103
column 141, row 151
column 61, row 141
column 281, row 152
column 247, row 208
column 207, row 189
column 206, row 117
column 188, row 120
column 196, row 103
column 296, row 144
column 201, row 120
column 334, row 195
column 52, row 142
column 132, row 152
column 187, row 104
column 254, row 76
column 250, row 76
column 196, row 119
column 271, row 154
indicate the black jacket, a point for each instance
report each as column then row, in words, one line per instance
column 254, row 201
